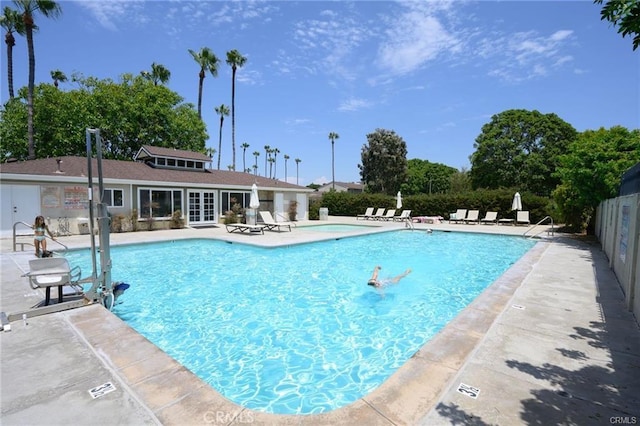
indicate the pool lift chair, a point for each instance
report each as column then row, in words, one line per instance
column 102, row 290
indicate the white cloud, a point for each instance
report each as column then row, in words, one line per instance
column 110, row 13
column 525, row 55
column 417, row 36
column 354, row 104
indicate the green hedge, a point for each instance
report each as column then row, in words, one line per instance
column 348, row 204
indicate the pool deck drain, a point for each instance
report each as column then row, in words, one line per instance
column 574, row 338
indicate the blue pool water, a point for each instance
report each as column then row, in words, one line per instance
column 296, row 330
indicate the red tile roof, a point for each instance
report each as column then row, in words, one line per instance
column 131, row 172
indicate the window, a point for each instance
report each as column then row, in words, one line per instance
column 113, row 197
column 229, row 199
column 159, row 203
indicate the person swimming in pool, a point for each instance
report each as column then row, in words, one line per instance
column 40, row 240
column 377, row 283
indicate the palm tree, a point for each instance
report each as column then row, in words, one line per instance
column 255, row 166
column 271, row 161
column 276, row 151
column 297, row 160
column 286, row 157
column 235, row 59
column 244, row 147
column 57, row 76
column 333, row 136
column 267, row 149
column 208, row 61
column 210, row 152
column 27, row 8
column 158, row 74
column 11, row 21
column 222, row 110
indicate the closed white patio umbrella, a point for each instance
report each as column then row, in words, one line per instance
column 398, row 200
column 254, row 202
column 517, row 202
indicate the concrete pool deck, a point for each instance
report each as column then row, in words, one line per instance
column 549, row 342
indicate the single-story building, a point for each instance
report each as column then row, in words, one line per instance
column 154, row 187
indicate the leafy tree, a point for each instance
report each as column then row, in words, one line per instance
column 158, row 74
column 11, row 22
column 424, row 177
column 384, row 162
column 332, row 137
column 625, row 14
column 459, row 182
column 591, row 170
column 222, row 111
column 57, row 76
column 28, row 8
column 520, row 148
column 130, row 114
column 208, row 61
column 235, row 60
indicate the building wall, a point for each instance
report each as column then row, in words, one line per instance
column 618, row 230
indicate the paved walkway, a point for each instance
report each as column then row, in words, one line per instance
column 548, row 343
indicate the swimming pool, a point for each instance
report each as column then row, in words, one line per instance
column 296, row 330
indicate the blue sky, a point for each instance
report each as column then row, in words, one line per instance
column 434, row 72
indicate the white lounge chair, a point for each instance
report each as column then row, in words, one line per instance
column 270, row 224
column 367, row 214
column 53, row 272
column 379, row 214
column 405, row 215
column 244, row 227
column 490, row 217
column 522, row 216
column 458, row 216
column 388, row 215
column 473, row 216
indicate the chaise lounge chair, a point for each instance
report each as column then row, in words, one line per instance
column 379, row 214
column 389, row 215
column 490, row 218
column 405, row 215
column 458, row 216
column 244, row 227
column 367, row 214
column 53, row 272
column 473, row 216
column 271, row 224
column 522, row 217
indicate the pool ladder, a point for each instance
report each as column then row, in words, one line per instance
column 550, row 232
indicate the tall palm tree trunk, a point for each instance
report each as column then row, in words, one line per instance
column 220, row 141
column 233, row 116
column 10, row 41
column 200, row 84
column 32, row 74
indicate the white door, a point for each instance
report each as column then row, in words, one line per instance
column 20, row 203
column 202, row 209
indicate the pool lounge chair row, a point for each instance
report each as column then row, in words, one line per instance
column 268, row 223
column 491, row 217
column 381, row 215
